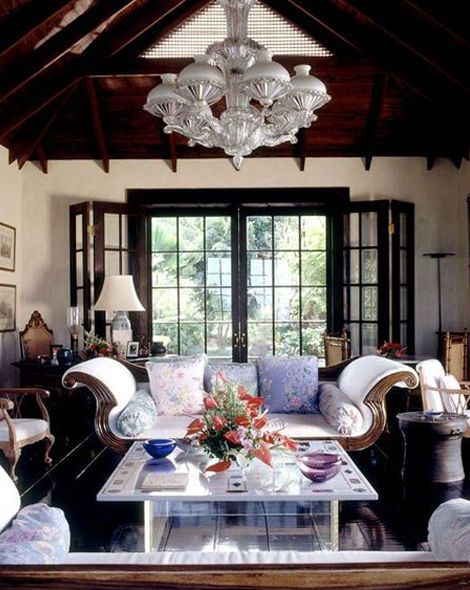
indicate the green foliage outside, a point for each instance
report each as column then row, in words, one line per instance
column 287, row 250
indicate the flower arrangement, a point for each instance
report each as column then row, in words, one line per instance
column 391, row 350
column 233, row 427
column 95, row 346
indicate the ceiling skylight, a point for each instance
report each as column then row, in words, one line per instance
column 209, row 26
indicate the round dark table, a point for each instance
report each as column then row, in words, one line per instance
column 433, row 446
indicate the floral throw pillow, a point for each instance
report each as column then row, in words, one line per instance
column 339, row 411
column 177, row 388
column 289, row 384
column 245, row 374
column 38, row 535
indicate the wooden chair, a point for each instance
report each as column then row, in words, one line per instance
column 337, row 347
column 36, row 338
column 453, row 349
column 17, row 431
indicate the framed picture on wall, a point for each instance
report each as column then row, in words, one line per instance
column 7, row 247
column 7, row 308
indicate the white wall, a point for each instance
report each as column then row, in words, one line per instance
column 439, row 195
column 10, row 213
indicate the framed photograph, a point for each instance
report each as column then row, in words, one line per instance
column 132, row 350
column 7, row 247
column 54, row 348
column 7, row 308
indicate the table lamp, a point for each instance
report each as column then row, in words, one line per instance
column 118, row 295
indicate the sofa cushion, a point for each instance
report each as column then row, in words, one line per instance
column 289, row 384
column 339, row 411
column 449, row 531
column 38, row 535
column 177, row 387
column 139, row 414
column 245, row 374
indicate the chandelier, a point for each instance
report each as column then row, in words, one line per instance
column 240, row 70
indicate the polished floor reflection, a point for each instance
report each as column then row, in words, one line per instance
column 398, row 520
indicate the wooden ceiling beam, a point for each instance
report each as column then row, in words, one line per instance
column 39, row 137
column 377, row 97
column 338, row 15
column 398, row 25
column 42, row 157
column 55, row 80
column 438, row 23
column 27, row 20
column 59, row 44
column 161, row 28
column 97, row 123
column 304, row 21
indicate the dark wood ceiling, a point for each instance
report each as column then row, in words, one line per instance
column 72, row 84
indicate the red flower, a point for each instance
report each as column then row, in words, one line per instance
column 243, row 393
column 219, row 422
column 210, row 403
column 260, row 422
column 263, row 454
column 195, row 427
column 232, row 437
column 221, row 466
column 242, row 421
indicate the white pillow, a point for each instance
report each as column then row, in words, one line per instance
column 177, row 388
column 339, row 411
column 452, row 402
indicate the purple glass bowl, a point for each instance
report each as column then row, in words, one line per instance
column 319, row 466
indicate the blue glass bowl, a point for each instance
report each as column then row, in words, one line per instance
column 159, row 448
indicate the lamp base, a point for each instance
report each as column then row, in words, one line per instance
column 121, row 332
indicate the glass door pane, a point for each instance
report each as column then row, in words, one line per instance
column 191, row 278
column 286, row 282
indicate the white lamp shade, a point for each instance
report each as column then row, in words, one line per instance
column 118, row 293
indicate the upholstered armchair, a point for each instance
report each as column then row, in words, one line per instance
column 441, row 392
column 17, row 431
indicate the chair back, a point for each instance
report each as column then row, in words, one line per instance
column 454, row 354
column 36, row 338
column 430, row 373
column 337, row 347
column 9, row 499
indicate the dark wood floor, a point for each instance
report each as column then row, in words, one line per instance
column 398, row 520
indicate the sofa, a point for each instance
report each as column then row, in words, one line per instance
column 360, row 384
column 443, row 567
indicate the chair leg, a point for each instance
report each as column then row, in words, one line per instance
column 13, row 454
column 50, row 439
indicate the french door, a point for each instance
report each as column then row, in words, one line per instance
column 240, row 284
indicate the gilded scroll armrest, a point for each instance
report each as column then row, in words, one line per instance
column 375, row 401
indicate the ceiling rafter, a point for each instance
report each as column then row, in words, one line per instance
column 306, row 23
column 42, row 157
column 337, row 15
column 41, row 91
column 393, row 23
column 161, row 28
column 27, row 20
column 25, row 154
column 97, row 122
column 60, row 43
column 173, row 151
column 377, row 96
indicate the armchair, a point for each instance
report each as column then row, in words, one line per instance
column 16, row 431
column 441, row 392
column 337, row 347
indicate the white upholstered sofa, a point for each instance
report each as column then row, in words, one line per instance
column 364, row 380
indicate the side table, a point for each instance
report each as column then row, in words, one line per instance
column 433, row 446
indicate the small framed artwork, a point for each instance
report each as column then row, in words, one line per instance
column 7, row 247
column 54, row 348
column 7, row 308
column 132, row 350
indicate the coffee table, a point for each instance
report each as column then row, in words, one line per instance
column 281, row 484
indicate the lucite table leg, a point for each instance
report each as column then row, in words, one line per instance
column 148, row 526
column 334, row 525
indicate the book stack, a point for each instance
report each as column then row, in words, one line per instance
column 164, row 481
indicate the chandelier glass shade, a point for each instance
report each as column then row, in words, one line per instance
column 240, row 71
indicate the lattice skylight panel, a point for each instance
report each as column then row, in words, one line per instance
column 265, row 26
